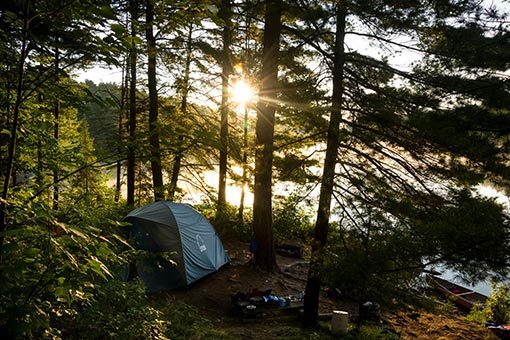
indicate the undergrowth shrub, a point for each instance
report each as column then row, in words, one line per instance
column 186, row 322
column 228, row 222
column 370, row 332
column 52, row 262
column 291, row 219
column 115, row 310
column 497, row 306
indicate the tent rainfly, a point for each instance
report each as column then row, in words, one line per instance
column 185, row 236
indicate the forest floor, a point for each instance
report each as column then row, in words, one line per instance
column 212, row 298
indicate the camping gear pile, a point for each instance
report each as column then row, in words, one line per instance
column 185, row 245
column 501, row 331
column 256, row 303
column 371, row 311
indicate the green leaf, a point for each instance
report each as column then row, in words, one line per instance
column 106, row 12
column 99, row 267
column 78, row 233
column 61, row 294
column 121, row 240
column 32, row 251
column 133, row 40
column 41, row 318
column 10, row 232
column 118, row 29
column 71, row 258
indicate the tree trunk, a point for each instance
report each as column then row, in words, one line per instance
column 14, row 129
column 184, row 107
column 225, row 14
column 245, row 164
column 311, row 304
column 133, row 9
column 157, row 173
column 56, row 114
column 122, row 109
column 265, row 256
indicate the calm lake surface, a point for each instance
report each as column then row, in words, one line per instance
column 483, row 287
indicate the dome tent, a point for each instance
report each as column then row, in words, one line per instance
column 185, row 236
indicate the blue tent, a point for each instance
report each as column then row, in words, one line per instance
column 181, row 233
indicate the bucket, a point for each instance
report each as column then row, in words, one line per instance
column 339, row 322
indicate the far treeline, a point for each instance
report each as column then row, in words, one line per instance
column 383, row 117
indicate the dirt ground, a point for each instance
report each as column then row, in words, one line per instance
column 212, row 297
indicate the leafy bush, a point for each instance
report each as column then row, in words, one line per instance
column 227, row 223
column 185, row 321
column 497, row 307
column 370, row 332
column 365, row 268
column 51, row 264
column 291, row 219
column 115, row 310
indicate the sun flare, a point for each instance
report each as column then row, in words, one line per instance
column 242, row 92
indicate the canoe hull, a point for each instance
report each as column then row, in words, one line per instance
column 462, row 296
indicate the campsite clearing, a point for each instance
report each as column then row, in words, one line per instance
column 211, row 297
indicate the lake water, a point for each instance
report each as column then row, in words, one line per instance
column 483, row 287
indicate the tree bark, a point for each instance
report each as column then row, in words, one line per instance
column 265, row 256
column 225, row 14
column 157, row 173
column 15, row 123
column 133, row 9
column 313, row 284
column 245, row 164
column 122, row 111
column 56, row 117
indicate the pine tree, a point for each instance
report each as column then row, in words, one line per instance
column 262, row 202
column 390, row 156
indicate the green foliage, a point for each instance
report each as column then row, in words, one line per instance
column 373, row 253
column 50, row 264
column 101, row 111
column 115, row 310
column 292, row 218
column 497, row 306
column 227, row 223
column 470, row 130
column 447, row 307
column 476, row 315
column 445, row 123
column 294, row 167
column 453, row 235
column 187, row 323
column 370, row 332
column 366, row 258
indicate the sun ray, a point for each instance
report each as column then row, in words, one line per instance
column 242, row 93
